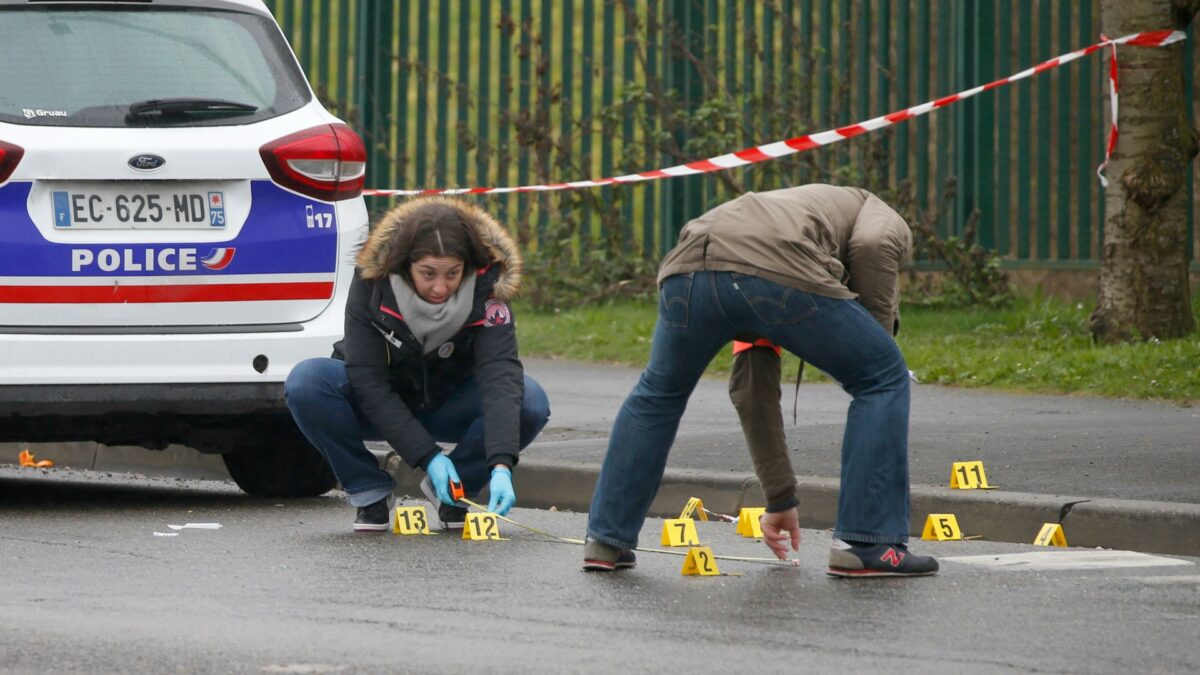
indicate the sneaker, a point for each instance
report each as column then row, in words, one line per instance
column 375, row 517
column 451, row 517
column 599, row 557
column 878, row 560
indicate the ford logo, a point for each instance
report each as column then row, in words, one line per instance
column 146, row 162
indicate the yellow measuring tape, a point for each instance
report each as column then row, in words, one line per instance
column 580, row 542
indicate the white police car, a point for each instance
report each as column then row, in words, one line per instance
column 178, row 215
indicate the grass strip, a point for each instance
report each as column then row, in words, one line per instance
column 1037, row 345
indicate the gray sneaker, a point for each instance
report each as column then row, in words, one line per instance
column 878, row 560
column 599, row 557
column 449, row 517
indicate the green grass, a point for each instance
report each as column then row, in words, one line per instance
column 1037, row 345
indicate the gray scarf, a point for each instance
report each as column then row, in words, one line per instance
column 433, row 324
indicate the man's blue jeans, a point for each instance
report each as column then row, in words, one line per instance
column 323, row 404
column 701, row 312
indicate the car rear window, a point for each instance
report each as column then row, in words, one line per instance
column 73, row 66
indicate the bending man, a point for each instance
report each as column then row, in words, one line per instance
column 785, row 266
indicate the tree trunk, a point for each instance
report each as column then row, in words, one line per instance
column 1144, row 289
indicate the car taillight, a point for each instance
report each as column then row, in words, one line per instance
column 10, row 156
column 328, row 162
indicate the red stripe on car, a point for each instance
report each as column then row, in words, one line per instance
column 318, row 290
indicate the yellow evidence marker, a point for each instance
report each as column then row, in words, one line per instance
column 481, row 526
column 410, row 520
column 694, row 506
column 969, row 476
column 747, row 524
column 680, row 532
column 942, row 527
column 1051, row 534
column 700, row 561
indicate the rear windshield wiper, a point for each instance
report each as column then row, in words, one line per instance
column 209, row 107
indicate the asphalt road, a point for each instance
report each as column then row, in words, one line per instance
column 87, row 586
column 1072, row 445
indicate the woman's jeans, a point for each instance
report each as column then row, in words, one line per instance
column 698, row 314
column 323, row 404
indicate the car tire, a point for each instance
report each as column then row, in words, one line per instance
column 282, row 465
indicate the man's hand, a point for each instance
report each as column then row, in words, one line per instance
column 778, row 528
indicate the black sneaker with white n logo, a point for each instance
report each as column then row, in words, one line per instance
column 878, row 560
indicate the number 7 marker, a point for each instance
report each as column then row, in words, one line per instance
column 679, row 532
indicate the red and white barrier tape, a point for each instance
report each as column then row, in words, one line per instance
column 769, row 151
column 1112, row 129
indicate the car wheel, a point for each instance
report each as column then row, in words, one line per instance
column 282, row 465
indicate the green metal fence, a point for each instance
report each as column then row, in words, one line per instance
column 461, row 93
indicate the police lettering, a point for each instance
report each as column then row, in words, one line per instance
column 134, row 260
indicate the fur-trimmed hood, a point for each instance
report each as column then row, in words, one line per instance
column 381, row 253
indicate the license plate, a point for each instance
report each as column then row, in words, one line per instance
column 137, row 209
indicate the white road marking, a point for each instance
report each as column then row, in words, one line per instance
column 1069, row 560
column 1174, row 580
column 302, row 668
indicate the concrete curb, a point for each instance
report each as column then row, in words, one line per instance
column 175, row 461
column 1154, row 527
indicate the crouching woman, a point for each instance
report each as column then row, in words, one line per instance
column 429, row 355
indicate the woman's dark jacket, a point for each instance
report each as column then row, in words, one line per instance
column 392, row 379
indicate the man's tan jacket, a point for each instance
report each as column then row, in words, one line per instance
column 839, row 242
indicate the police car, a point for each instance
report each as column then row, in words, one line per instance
column 178, row 215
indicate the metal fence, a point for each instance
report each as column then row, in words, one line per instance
column 462, row 93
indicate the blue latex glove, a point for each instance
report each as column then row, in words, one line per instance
column 441, row 471
column 501, row 489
